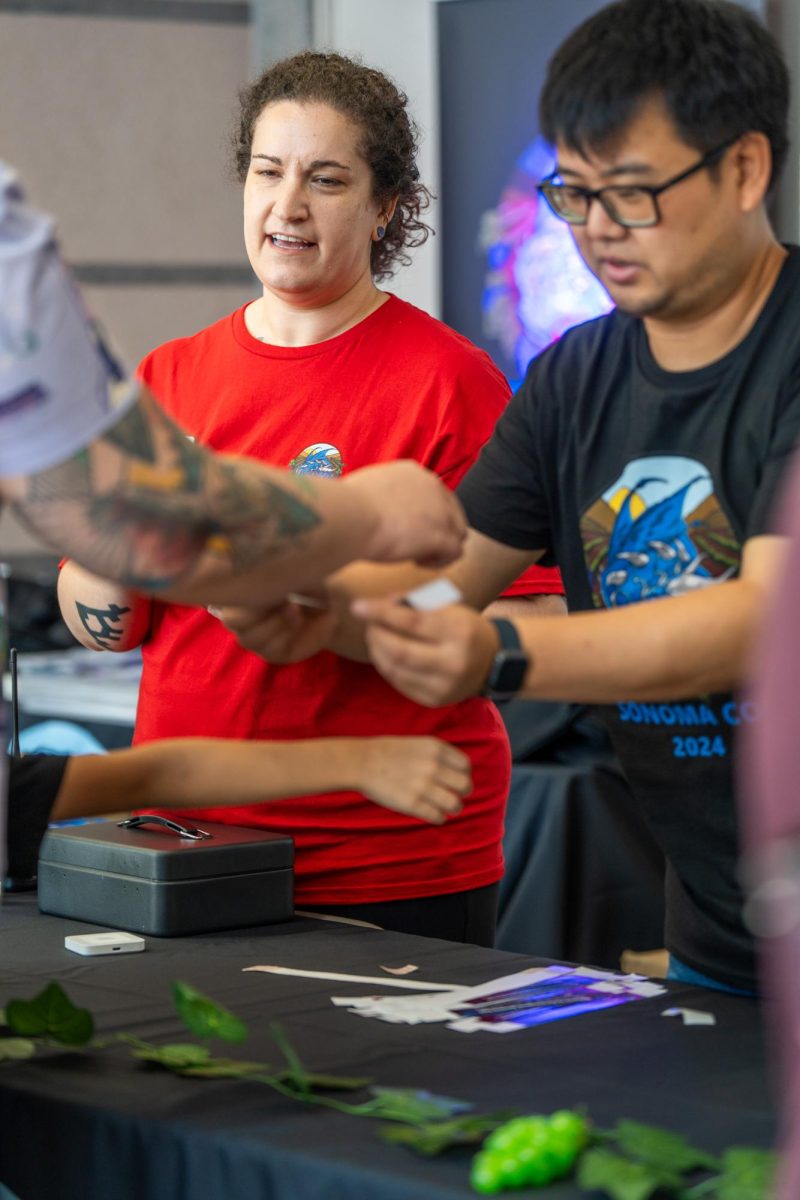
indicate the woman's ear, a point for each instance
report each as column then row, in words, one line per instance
column 387, row 211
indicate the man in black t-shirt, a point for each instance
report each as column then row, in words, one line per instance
column 643, row 451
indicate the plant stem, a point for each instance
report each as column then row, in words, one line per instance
column 308, row 1097
column 708, row 1186
column 296, row 1068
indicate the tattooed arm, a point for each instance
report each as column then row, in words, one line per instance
column 146, row 507
column 100, row 614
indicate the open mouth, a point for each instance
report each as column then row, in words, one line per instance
column 284, row 241
column 620, row 271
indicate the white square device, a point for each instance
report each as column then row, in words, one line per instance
column 113, row 942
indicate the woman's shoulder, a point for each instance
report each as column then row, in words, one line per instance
column 183, row 351
column 433, row 337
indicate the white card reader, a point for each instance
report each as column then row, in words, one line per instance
column 113, row 942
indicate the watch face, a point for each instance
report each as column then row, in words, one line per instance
column 508, row 673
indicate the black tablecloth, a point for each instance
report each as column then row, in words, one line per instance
column 101, row 1127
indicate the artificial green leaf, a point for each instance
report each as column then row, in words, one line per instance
column 622, row 1179
column 51, row 1014
column 222, row 1068
column 175, row 1056
column 205, row 1018
column 413, row 1106
column 330, row 1083
column 660, row 1148
column 748, row 1174
column 190, row 1059
column 435, row 1136
column 16, row 1048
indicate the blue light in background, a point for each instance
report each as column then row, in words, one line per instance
column 537, row 285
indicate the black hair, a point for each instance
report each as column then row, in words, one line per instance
column 715, row 66
column 388, row 144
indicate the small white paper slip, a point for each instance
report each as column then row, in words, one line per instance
column 691, row 1016
column 466, row 1025
column 475, row 1025
column 595, row 973
column 353, row 1001
column 381, row 980
column 303, row 601
column 430, row 596
column 646, row 988
column 408, row 969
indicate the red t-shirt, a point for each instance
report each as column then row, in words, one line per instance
column 398, row 385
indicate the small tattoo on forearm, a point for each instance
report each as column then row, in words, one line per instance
column 99, row 623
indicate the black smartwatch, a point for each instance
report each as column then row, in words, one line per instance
column 509, row 665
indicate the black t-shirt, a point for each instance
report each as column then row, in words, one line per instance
column 33, row 783
column 641, row 484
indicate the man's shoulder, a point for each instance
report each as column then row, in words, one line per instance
column 781, row 305
column 593, row 335
column 584, row 351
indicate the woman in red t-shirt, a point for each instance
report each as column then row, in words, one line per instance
column 324, row 373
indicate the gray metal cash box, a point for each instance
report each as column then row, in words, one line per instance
column 152, row 875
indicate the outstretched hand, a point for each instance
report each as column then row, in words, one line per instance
column 434, row 658
column 417, row 517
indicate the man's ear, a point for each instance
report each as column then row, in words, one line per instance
column 752, row 158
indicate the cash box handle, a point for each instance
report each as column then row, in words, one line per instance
column 184, row 831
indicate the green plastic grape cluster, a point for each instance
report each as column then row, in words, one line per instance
column 529, row 1152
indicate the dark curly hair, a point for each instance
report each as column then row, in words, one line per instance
column 388, row 144
column 717, row 69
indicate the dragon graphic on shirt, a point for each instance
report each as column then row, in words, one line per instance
column 659, row 530
column 319, row 459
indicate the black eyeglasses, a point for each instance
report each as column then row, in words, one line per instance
column 635, row 206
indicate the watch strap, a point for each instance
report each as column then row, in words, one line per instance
column 509, row 665
column 509, row 638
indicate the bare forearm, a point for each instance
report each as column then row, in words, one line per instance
column 512, row 608
column 201, row 772
column 661, row 650
column 420, row 777
column 209, row 771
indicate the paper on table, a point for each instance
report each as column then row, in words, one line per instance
column 408, row 969
column 508, row 1004
column 646, row 988
column 691, row 1016
column 476, row 1025
column 417, row 985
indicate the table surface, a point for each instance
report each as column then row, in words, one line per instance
column 103, row 1126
